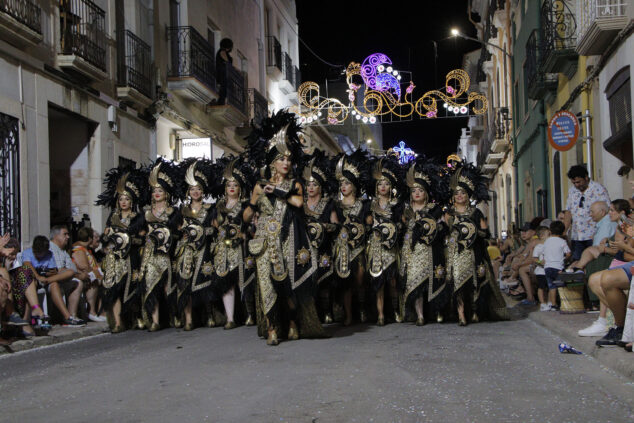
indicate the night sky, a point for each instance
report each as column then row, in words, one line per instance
column 344, row 31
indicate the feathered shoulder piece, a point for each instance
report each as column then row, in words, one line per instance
column 198, row 172
column 469, row 178
column 431, row 176
column 129, row 182
column 277, row 135
column 319, row 168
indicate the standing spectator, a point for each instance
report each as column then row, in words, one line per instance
column 223, row 62
column 555, row 252
column 577, row 218
column 85, row 261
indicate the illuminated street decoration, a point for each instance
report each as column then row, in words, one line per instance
column 405, row 154
column 382, row 97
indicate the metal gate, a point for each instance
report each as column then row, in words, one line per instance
column 9, row 176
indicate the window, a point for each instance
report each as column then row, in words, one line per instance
column 620, row 107
column 9, row 176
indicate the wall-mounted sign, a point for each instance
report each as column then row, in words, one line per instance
column 563, row 130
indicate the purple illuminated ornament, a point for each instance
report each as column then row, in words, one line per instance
column 376, row 77
column 405, row 154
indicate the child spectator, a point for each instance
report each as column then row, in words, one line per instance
column 540, row 274
column 555, row 252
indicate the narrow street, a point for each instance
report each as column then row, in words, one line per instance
column 487, row 372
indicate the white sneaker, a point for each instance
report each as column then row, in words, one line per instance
column 94, row 318
column 597, row 328
column 544, row 307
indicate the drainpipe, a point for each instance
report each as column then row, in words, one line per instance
column 261, row 51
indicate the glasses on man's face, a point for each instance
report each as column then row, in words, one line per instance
column 581, row 200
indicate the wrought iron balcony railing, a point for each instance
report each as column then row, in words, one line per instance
column 134, row 63
column 236, row 91
column 558, row 26
column 190, row 55
column 83, row 31
column 258, row 106
column 274, row 53
column 26, row 12
column 589, row 11
column 298, row 78
column 288, row 69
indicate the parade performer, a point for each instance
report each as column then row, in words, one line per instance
column 124, row 194
column 234, row 269
column 352, row 212
column 385, row 217
column 475, row 291
column 162, row 223
column 422, row 256
column 193, row 264
column 319, row 185
column 285, row 259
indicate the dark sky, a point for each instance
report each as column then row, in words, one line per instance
column 348, row 30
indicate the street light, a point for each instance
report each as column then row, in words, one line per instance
column 369, row 141
column 456, row 33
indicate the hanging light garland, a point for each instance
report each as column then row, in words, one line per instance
column 382, row 96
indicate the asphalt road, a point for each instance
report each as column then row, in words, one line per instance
column 487, row 372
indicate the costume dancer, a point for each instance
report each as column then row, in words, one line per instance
column 124, row 194
column 352, row 216
column 422, row 261
column 233, row 268
column 385, row 216
column 193, row 265
column 467, row 261
column 319, row 184
column 162, row 223
column 284, row 257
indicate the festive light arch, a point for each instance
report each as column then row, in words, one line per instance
column 382, row 96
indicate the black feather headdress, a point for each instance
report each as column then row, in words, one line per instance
column 431, row 176
column 169, row 176
column 356, row 169
column 319, row 168
column 469, row 178
column 198, row 172
column 131, row 183
column 388, row 167
column 231, row 168
column 277, row 136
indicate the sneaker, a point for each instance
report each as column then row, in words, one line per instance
column 554, row 308
column 544, row 307
column 597, row 328
column 15, row 320
column 94, row 318
column 73, row 322
column 612, row 338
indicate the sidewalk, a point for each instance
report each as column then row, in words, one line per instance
column 567, row 325
column 56, row 335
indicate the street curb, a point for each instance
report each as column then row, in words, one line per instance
column 567, row 325
column 56, row 335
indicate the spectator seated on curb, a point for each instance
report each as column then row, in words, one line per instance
column 609, row 285
column 495, row 255
column 54, row 279
column 24, row 290
column 540, row 274
column 85, row 261
column 556, row 251
column 8, row 317
column 521, row 264
column 607, row 220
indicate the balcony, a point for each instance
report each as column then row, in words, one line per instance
column 191, row 65
column 297, row 81
column 258, row 106
column 477, row 130
column 234, row 112
column 501, row 129
column 83, row 39
column 134, row 70
column 273, row 58
column 287, row 84
column 495, row 158
column 558, row 38
column 20, row 22
column 598, row 22
column 539, row 84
